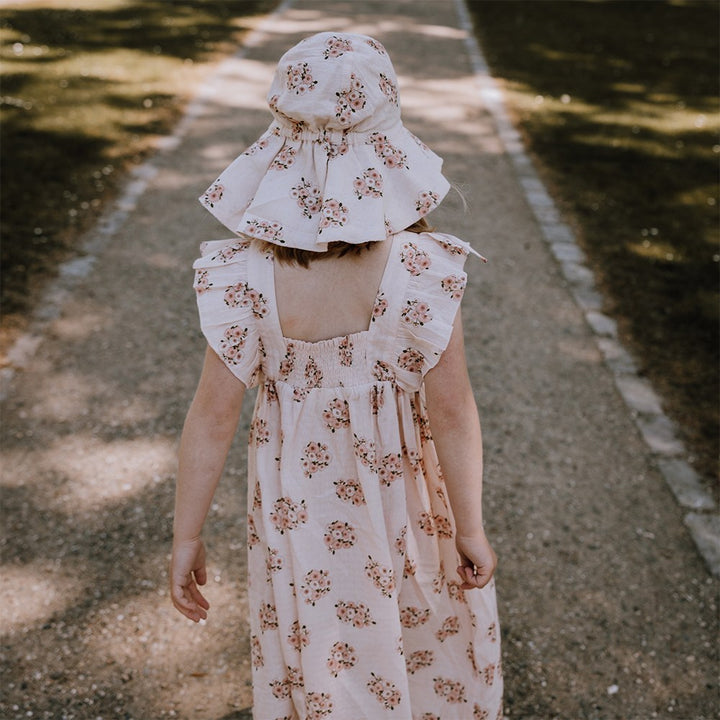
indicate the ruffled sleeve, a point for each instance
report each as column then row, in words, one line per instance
column 230, row 307
column 432, row 297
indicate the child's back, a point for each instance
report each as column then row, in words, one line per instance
column 355, row 534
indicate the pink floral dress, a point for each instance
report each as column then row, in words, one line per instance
column 356, row 610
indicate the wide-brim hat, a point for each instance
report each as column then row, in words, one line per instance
column 336, row 163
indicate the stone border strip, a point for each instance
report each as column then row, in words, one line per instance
column 658, row 431
column 73, row 271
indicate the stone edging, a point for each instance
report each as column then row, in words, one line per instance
column 658, row 431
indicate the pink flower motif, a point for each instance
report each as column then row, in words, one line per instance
column 202, row 281
column 426, row 201
column 256, row 656
column 253, row 537
column 259, row 144
column 268, row 617
column 288, row 363
column 334, row 213
column 349, row 100
column 314, row 458
column 389, row 89
column 488, row 674
column 450, row 626
column 454, row 285
column 380, row 307
column 418, row 660
column 355, row 614
column 288, row 515
column 390, row 155
column 369, row 185
column 308, row 197
column 416, row 313
column 411, row 359
column 299, row 636
column 389, row 468
column 336, row 46
column 313, row 374
column 438, row 582
column 227, row 253
column 259, row 432
column 449, row 690
column 339, row 536
column 263, row 230
column 345, row 348
column 385, row 692
column 480, row 713
column 365, row 451
column 316, row 584
column 377, row 398
column 382, row 577
column 415, row 260
column 273, row 561
column 333, row 149
column 452, row 247
column 300, row 79
column 426, row 523
column 231, row 344
column 443, row 526
column 349, row 491
column 342, row 657
column 242, row 295
column 411, row 616
column 213, row 194
column 337, row 414
column 284, row 159
column 383, row 372
column 375, row 45
column 318, row 705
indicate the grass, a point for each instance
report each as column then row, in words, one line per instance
column 87, row 88
column 618, row 102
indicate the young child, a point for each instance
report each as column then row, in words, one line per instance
column 369, row 571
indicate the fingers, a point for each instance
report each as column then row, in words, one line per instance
column 189, row 601
column 474, row 577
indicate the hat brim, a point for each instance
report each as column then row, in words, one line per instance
column 307, row 191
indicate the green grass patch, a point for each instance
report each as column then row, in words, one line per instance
column 618, row 102
column 87, row 88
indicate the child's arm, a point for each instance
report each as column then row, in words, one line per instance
column 207, row 434
column 458, row 439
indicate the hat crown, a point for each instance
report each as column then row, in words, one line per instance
column 338, row 82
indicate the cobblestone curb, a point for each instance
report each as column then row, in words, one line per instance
column 658, row 431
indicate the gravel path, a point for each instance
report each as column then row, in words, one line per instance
column 608, row 611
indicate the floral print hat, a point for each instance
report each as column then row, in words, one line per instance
column 336, row 163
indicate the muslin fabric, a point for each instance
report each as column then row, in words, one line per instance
column 356, row 610
column 336, row 163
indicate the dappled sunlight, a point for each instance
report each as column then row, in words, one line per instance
column 96, row 472
column 39, row 590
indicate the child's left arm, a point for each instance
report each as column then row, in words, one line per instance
column 207, row 435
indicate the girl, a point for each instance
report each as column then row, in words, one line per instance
column 369, row 571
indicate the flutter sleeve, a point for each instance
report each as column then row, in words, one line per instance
column 229, row 307
column 435, row 262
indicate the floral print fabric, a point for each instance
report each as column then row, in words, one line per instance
column 356, row 610
column 336, row 163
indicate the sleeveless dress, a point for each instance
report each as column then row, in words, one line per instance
column 356, row 610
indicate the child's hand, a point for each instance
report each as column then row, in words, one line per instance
column 187, row 571
column 477, row 560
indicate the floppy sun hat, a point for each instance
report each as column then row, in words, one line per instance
column 336, row 163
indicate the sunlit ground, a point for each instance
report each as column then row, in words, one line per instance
column 619, row 104
column 87, row 89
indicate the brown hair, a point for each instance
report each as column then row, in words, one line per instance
column 303, row 258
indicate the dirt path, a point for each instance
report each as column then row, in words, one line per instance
column 607, row 609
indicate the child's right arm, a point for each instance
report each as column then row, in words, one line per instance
column 456, row 432
column 207, row 435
